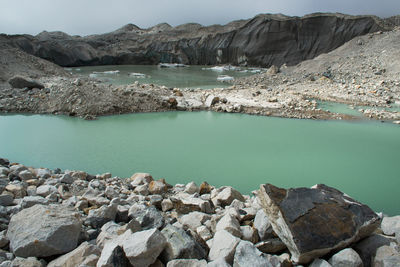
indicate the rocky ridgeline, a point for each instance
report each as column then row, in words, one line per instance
column 71, row 218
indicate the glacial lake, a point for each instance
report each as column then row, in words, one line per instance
column 204, row 77
column 359, row 158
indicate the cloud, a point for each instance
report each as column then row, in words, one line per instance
column 99, row 16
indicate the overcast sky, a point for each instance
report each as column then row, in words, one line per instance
column 85, row 17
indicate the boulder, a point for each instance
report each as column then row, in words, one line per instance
column 230, row 224
column 147, row 216
column 205, row 188
column 140, row 179
column 4, row 162
column 187, row 263
column 108, row 232
column 98, row 217
column 186, row 203
column 28, row 262
column 367, row 247
column 191, row 188
column 296, row 217
column 223, row 246
column 263, row 225
column 211, row 100
column 204, row 232
column 218, row 263
column 143, row 248
column 26, row 175
column 3, row 239
column 226, row 196
column 390, row 225
column 23, row 82
column 166, row 204
column 346, row 258
column 194, row 219
column 6, row 199
column 66, row 179
column 76, row 257
column 271, row 246
column 249, row 233
column 320, row 263
column 387, row 256
column 157, row 187
column 45, row 190
column 42, row 231
column 17, row 189
column 180, row 245
column 30, row 201
column 246, row 254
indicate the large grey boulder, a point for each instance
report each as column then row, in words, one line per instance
column 98, row 217
column 42, row 231
column 223, row 246
column 180, row 245
column 226, row 196
column 23, row 82
column 76, row 257
column 230, row 224
column 30, row 201
column 314, row 221
column 346, row 258
column 194, row 219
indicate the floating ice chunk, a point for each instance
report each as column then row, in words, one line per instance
column 93, row 75
column 225, row 78
column 171, row 65
column 137, row 75
column 106, row 72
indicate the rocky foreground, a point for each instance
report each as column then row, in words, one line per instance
column 72, row 218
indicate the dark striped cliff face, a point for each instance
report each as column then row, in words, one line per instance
column 263, row 41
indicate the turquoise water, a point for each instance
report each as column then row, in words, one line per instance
column 359, row 158
column 348, row 110
column 182, row 77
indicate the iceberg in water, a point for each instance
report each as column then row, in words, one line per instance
column 171, row 65
column 137, row 75
column 225, row 78
column 106, row 72
column 223, row 68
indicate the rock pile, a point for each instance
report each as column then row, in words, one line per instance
column 71, row 218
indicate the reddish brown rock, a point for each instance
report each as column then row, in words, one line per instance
column 314, row 221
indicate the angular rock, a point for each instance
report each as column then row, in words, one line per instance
column 186, row 203
column 218, row 263
column 140, row 179
column 263, row 225
column 157, row 187
column 191, row 188
column 6, row 199
column 76, row 257
column 30, row 201
column 187, row 263
column 147, row 216
column 3, row 239
column 180, row 245
column 143, row 248
column 26, row 175
column 346, row 258
column 226, row 196
column 249, row 233
column 223, row 246
column 166, row 204
column 204, row 233
column 113, row 255
column 17, row 190
column 4, row 162
column 387, row 256
column 45, row 190
column 295, row 216
column 28, row 262
column 142, row 190
column 320, row 263
column 23, row 82
column 205, row 188
column 98, row 217
column 66, row 179
column 367, row 247
column 246, row 254
column 390, row 225
column 271, row 246
column 230, row 224
column 194, row 219
column 108, row 232
column 42, row 231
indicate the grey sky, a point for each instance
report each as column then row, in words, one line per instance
column 98, row 16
